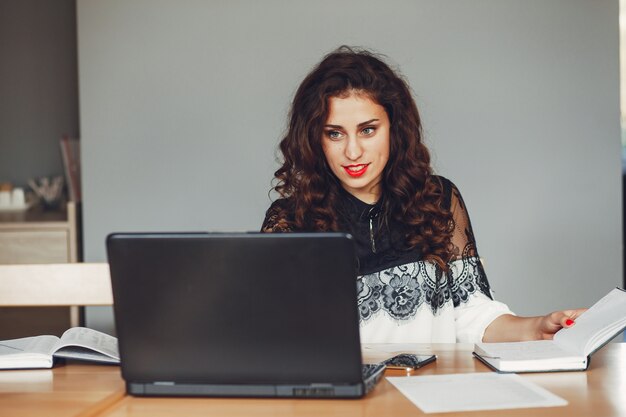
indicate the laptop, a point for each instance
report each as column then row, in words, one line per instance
column 238, row 314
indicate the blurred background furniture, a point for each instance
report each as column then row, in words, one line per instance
column 37, row 236
column 68, row 285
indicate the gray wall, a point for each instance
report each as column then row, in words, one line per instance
column 183, row 104
column 38, row 86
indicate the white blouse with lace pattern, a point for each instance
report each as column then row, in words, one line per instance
column 417, row 303
column 403, row 298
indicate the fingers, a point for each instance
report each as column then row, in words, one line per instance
column 576, row 313
column 567, row 318
column 551, row 323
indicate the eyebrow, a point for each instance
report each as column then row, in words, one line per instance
column 359, row 125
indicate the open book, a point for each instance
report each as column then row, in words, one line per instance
column 571, row 347
column 76, row 343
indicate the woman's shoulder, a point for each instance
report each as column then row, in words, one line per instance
column 279, row 216
column 444, row 183
column 280, row 204
column 445, row 188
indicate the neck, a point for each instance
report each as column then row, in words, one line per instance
column 365, row 198
column 368, row 197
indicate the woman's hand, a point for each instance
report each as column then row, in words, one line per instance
column 509, row 328
column 551, row 323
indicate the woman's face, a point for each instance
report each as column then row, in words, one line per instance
column 356, row 144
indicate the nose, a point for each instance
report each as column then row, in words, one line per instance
column 353, row 149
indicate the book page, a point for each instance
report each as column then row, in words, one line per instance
column 596, row 325
column 90, row 339
column 27, row 352
column 85, row 354
column 515, row 351
column 471, row 392
column 41, row 345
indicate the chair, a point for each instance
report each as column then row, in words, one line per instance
column 48, row 285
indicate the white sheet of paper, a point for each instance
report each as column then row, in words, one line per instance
column 471, row 392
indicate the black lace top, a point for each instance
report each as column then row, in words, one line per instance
column 401, row 297
column 380, row 242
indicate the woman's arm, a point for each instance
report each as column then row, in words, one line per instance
column 505, row 327
column 509, row 328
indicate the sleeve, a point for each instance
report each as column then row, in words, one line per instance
column 277, row 218
column 474, row 306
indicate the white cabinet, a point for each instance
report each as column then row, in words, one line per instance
column 36, row 237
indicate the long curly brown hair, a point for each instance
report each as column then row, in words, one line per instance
column 411, row 194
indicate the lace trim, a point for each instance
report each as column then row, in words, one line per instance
column 400, row 291
column 275, row 221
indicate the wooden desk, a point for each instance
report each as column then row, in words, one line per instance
column 88, row 390
column 66, row 390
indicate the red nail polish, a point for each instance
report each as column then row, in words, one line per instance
column 569, row 322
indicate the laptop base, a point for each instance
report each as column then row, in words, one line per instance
column 372, row 375
column 209, row 390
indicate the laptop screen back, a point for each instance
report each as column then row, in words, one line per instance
column 236, row 308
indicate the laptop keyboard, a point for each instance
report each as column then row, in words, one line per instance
column 370, row 369
column 372, row 373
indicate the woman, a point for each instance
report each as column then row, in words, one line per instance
column 354, row 161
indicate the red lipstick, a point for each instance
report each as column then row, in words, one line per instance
column 356, row 170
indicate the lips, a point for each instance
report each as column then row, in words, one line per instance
column 356, row 170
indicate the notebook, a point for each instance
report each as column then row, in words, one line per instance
column 238, row 314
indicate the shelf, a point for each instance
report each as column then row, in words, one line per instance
column 36, row 236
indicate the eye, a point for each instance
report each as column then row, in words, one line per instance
column 368, row 131
column 333, row 134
